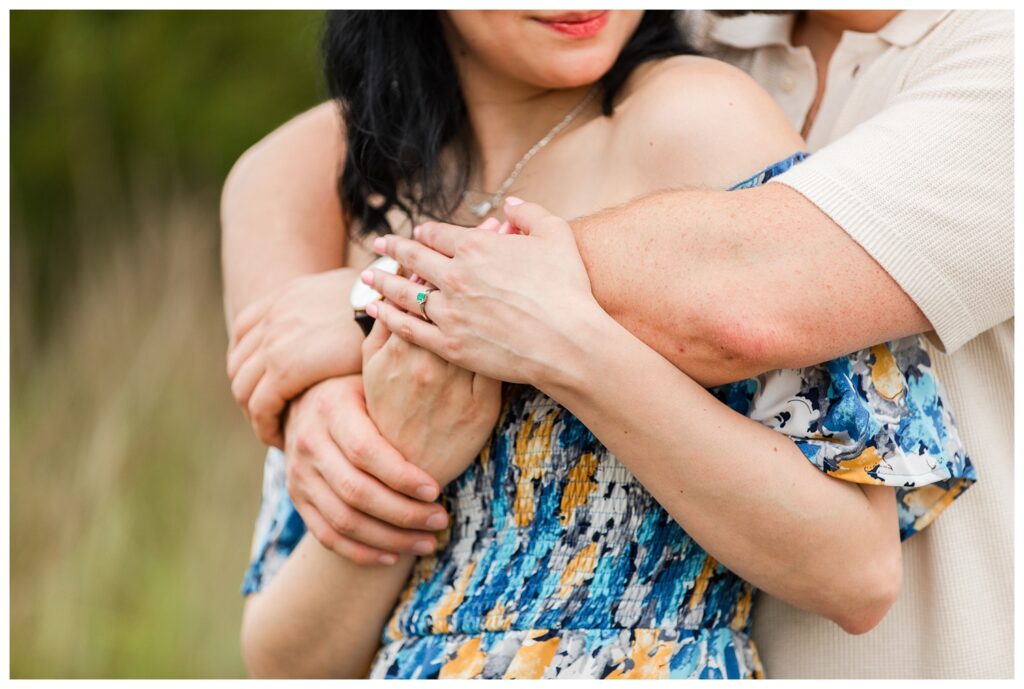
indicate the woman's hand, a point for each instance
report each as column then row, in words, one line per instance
column 436, row 414
column 296, row 336
column 354, row 491
column 516, row 307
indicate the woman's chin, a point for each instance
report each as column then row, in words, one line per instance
column 571, row 73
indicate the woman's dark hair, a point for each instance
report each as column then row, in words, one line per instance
column 393, row 77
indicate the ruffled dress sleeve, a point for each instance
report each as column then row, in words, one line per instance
column 874, row 417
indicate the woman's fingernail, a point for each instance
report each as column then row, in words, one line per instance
column 436, row 522
column 416, row 232
column 367, row 277
column 506, row 228
column 513, row 200
column 380, row 245
column 371, row 309
column 423, row 547
column 387, row 559
column 425, row 492
column 489, row 224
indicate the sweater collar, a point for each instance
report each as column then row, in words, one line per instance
column 910, row 26
column 755, row 30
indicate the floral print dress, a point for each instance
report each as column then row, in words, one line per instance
column 558, row 563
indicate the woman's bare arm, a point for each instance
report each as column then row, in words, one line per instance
column 745, row 492
column 321, row 613
column 520, row 307
column 524, row 308
column 321, row 616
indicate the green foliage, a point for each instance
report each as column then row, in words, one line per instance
column 134, row 477
column 108, row 105
column 135, row 480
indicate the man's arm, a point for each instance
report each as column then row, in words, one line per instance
column 280, row 213
column 926, row 185
column 723, row 284
column 286, row 301
column 285, row 291
column 727, row 285
column 901, row 226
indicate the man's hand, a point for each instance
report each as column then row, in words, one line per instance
column 292, row 338
column 351, row 487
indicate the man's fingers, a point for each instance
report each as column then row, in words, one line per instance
column 366, row 449
column 366, row 494
column 243, row 349
column 411, row 328
column 249, row 317
column 328, row 537
column 265, row 408
column 364, row 529
column 245, row 382
column 414, row 257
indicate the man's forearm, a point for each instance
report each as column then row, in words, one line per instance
column 727, row 285
column 283, row 249
column 280, row 214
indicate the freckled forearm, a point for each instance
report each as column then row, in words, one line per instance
column 727, row 285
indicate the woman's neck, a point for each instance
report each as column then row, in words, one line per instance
column 505, row 128
column 507, row 117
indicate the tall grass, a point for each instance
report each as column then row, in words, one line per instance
column 135, row 479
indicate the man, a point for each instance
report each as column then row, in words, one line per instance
column 903, row 97
column 903, row 218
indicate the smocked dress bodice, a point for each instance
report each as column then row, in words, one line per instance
column 559, row 563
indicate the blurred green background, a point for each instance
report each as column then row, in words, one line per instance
column 134, row 478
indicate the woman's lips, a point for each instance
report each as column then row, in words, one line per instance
column 578, row 24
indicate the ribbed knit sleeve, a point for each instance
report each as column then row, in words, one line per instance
column 926, row 186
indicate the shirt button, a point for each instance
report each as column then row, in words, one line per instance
column 788, row 82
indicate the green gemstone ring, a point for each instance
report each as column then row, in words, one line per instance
column 421, row 299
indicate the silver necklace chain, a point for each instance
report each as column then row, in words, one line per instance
column 482, row 209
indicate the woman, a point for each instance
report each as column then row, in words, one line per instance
column 562, row 560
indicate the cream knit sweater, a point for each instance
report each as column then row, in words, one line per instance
column 914, row 159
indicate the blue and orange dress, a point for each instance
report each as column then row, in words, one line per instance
column 559, row 563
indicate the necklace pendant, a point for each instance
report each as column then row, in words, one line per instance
column 482, row 209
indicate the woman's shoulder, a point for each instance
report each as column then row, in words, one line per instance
column 696, row 120
column 680, row 70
